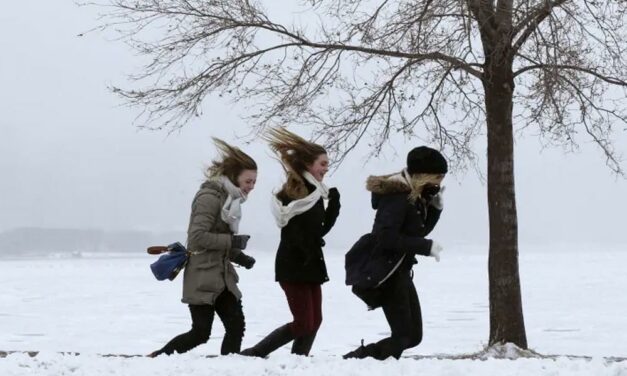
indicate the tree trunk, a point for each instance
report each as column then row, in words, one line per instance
column 506, row 314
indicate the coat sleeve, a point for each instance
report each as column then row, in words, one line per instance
column 330, row 215
column 388, row 224
column 205, row 213
column 433, row 216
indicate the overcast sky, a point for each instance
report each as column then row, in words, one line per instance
column 70, row 156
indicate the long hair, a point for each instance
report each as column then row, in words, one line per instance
column 231, row 163
column 295, row 154
column 418, row 182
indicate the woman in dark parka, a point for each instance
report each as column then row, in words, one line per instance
column 300, row 213
column 209, row 280
column 379, row 265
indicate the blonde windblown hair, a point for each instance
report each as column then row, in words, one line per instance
column 231, row 163
column 295, row 154
column 418, row 182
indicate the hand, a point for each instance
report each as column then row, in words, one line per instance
column 436, row 249
column 244, row 260
column 334, row 194
column 437, row 201
column 429, row 190
column 239, row 241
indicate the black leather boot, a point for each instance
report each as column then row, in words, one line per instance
column 362, row 352
column 302, row 345
column 273, row 341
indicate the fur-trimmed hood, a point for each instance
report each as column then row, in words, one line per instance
column 386, row 185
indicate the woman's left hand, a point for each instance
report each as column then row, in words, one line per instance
column 334, row 194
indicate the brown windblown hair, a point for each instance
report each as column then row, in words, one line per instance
column 295, row 154
column 231, row 163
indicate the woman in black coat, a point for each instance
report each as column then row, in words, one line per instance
column 300, row 213
column 379, row 265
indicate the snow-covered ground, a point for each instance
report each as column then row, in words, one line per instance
column 574, row 300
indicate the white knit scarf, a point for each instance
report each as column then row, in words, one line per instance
column 283, row 213
column 232, row 210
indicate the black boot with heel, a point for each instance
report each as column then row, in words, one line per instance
column 273, row 341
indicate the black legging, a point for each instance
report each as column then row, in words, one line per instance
column 229, row 309
column 402, row 311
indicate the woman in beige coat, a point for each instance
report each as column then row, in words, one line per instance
column 209, row 280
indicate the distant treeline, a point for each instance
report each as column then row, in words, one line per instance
column 46, row 240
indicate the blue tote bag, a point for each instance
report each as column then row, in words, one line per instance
column 170, row 264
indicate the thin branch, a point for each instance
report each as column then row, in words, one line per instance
column 530, row 23
column 610, row 80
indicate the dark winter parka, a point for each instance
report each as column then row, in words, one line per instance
column 299, row 257
column 399, row 230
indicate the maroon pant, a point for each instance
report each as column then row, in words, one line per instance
column 305, row 301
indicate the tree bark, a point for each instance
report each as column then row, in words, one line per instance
column 506, row 314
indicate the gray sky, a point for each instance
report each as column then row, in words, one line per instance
column 70, row 156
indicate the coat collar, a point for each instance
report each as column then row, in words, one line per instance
column 387, row 184
column 213, row 185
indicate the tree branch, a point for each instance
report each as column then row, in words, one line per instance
column 530, row 23
column 611, row 80
column 432, row 56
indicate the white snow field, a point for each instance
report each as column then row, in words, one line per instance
column 574, row 300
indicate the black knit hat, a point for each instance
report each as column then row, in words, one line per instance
column 424, row 160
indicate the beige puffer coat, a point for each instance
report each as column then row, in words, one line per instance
column 209, row 270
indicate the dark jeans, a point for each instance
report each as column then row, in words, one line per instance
column 305, row 301
column 402, row 310
column 229, row 309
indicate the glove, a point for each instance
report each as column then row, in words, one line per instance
column 244, row 260
column 239, row 241
column 334, row 194
column 437, row 200
column 436, row 249
column 429, row 190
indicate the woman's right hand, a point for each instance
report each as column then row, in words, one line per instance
column 240, row 241
column 244, row 260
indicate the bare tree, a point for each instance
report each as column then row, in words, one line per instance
column 359, row 71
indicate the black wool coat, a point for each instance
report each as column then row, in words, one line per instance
column 399, row 231
column 299, row 257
